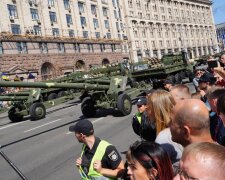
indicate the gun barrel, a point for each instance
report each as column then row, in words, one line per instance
column 86, row 86
column 13, row 98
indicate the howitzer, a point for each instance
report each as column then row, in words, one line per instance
column 109, row 94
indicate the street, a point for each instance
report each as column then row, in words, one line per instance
column 45, row 149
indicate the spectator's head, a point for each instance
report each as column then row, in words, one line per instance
column 190, row 122
column 160, row 104
column 203, row 161
column 168, row 84
column 142, row 104
column 221, row 108
column 222, row 58
column 148, row 160
column 82, row 129
column 180, row 92
column 196, row 95
column 212, row 96
column 206, row 81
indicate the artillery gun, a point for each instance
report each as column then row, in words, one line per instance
column 104, row 94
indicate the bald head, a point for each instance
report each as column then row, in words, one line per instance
column 192, row 112
column 190, row 122
column 180, row 92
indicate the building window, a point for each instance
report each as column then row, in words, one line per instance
column 61, row 47
column 117, row 26
column 55, row 31
column 1, row 48
column 95, row 21
column 34, row 14
column 12, row 10
column 108, row 35
column 69, row 19
column 51, row 3
column 71, row 33
column 105, row 11
column 106, row 24
column 102, row 47
column 97, row 35
column 85, row 34
column 44, row 47
column 113, row 47
column 83, row 21
column 21, row 47
column 81, row 7
column 115, row 14
column 15, row 29
column 93, row 9
column 90, row 47
column 66, row 4
column 37, row 30
column 77, row 47
column 52, row 16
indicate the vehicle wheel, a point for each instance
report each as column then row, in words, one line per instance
column 182, row 75
column 52, row 96
column 62, row 93
column 37, row 111
column 13, row 116
column 87, row 107
column 124, row 104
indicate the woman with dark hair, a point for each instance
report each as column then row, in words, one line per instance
column 148, row 161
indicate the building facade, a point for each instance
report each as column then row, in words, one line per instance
column 156, row 27
column 220, row 31
column 53, row 37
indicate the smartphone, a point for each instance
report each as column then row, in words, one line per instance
column 212, row 64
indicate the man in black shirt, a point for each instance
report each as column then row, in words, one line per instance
column 99, row 159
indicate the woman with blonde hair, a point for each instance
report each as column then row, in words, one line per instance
column 159, row 106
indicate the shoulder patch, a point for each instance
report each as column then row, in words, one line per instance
column 113, row 156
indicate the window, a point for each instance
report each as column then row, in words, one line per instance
column 85, row 34
column 117, row 26
column 66, row 4
column 113, row 47
column 108, row 35
column 44, row 47
column 106, row 24
column 102, row 47
column 93, row 9
column 83, row 21
column 37, row 30
column 97, row 35
column 15, row 29
column 55, row 31
column 34, row 14
column 51, row 3
column 114, row 2
column 77, row 47
column 95, row 21
column 12, row 10
column 21, row 47
column 81, row 7
column 71, row 33
column 1, row 48
column 121, row 26
column 61, row 47
column 105, row 11
column 69, row 19
column 52, row 16
column 90, row 47
column 115, row 14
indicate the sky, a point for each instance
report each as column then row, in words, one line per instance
column 219, row 11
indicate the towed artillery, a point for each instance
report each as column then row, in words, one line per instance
column 104, row 94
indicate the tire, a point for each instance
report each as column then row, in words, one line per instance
column 178, row 79
column 87, row 107
column 182, row 75
column 61, row 94
column 124, row 104
column 52, row 96
column 13, row 116
column 37, row 111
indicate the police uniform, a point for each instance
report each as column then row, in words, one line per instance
column 110, row 160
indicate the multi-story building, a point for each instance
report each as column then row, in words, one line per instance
column 220, row 31
column 52, row 37
column 156, row 27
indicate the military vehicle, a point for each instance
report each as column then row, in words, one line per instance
column 113, row 93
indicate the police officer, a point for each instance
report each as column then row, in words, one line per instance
column 141, row 124
column 99, row 159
